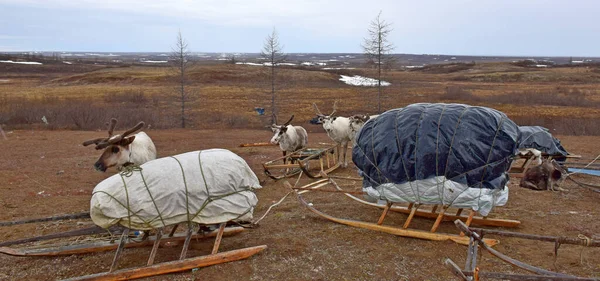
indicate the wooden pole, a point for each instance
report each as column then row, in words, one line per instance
column 553, row 239
column 78, row 232
column 257, row 144
column 503, row 257
column 173, row 230
column 155, row 246
column 186, row 244
column 455, row 269
column 218, row 238
column 469, row 220
column 523, row 277
column 174, row 266
column 53, row 218
column 413, row 208
column 124, row 237
column 385, row 211
column 436, row 224
column 106, row 245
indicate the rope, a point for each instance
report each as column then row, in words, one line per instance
column 585, row 166
column 127, row 171
column 278, row 202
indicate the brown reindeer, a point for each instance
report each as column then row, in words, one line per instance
column 122, row 150
column 546, row 176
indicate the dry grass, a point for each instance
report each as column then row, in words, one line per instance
column 565, row 99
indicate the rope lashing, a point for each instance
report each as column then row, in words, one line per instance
column 127, row 171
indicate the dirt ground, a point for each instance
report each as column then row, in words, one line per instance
column 45, row 173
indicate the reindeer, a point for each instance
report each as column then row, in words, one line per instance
column 337, row 128
column 546, row 176
column 121, row 150
column 357, row 122
column 290, row 138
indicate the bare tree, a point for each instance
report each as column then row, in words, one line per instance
column 272, row 52
column 377, row 50
column 180, row 60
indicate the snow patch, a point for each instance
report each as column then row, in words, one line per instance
column 21, row 62
column 155, row 61
column 357, row 80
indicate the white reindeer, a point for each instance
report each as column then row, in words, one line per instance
column 337, row 128
column 121, row 150
column 357, row 122
column 290, row 138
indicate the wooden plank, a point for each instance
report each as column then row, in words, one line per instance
column 107, row 246
column 173, row 266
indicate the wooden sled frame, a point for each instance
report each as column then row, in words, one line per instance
column 473, row 273
column 442, row 215
column 404, row 231
column 297, row 161
column 126, row 241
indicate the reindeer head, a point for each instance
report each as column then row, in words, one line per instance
column 116, row 147
column 279, row 131
column 322, row 118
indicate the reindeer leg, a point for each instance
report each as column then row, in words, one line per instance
column 284, row 159
column 345, row 150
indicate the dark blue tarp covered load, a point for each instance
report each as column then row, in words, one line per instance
column 540, row 138
column 450, row 154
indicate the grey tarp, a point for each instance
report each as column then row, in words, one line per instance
column 540, row 138
column 450, row 154
column 206, row 187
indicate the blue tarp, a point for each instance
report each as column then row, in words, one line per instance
column 470, row 145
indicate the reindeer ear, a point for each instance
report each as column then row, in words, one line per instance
column 127, row 141
column 284, row 128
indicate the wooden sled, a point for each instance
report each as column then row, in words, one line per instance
column 107, row 243
column 404, row 231
column 473, row 273
column 298, row 161
column 443, row 214
column 102, row 246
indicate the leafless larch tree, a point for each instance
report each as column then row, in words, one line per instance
column 377, row 49
column 272, row 52
column 180, row 61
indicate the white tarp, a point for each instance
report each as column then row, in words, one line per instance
column 206, row 187
column 440, row 191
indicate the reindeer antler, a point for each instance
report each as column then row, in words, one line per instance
column 105, row 142
column 334, row 108
column 288, row 121
column 111, row 127
column 317, row 109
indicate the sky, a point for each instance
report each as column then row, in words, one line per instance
column 449, row 27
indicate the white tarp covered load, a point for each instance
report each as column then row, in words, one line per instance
column 205, row 187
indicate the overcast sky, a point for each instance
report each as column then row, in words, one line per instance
column 453, row 27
